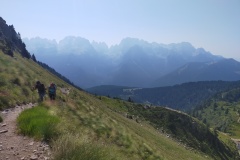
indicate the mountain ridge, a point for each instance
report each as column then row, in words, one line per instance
column 225, row 69
column 132, row 62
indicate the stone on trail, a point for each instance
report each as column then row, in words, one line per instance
column 31, row 143
column 3, row 131
column 33, row 157
column 3, row 125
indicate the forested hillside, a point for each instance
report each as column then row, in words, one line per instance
column 222, row 112
column 182, row 97
column 11, row 41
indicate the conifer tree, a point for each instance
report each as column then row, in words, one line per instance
column 129, row 99
column 34, row 58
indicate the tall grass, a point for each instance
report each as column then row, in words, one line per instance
column 37, row 122
column 69, row 147
column 18, row 76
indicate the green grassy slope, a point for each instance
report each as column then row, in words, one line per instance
column 188, row 130
column 86, row 121
column 222, row 112
column 18, row 76
column 85, row 118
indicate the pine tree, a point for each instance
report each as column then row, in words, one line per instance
column 34, row 58
column 129, row 99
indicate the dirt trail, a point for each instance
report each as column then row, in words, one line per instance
column 17, row 147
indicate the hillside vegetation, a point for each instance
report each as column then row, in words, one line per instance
column 84, row 126
column 98, row 123
column 222, row 112
column 184, row 97
column 17, row 78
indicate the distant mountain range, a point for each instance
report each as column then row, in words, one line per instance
column 133, row 62
column 225, row 69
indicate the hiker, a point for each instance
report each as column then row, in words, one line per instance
column 41, row 90
column 52, row 91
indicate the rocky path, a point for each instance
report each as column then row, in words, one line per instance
column 17, row 147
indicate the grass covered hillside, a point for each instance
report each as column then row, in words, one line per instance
column 18, row 76
column 98, row 126
column 222, row 112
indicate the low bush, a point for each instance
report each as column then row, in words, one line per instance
column 4, row 102
column 37, row 122
column 3, row 80
column 1, row 119
column 26, row 92
column 17, row 81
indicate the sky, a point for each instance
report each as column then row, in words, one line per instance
column 210, row 24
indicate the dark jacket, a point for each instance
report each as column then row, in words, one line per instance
column 40, row 87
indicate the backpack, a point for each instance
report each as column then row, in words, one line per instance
column 52, row 89
column 41, row 88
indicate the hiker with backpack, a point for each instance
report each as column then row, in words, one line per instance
column 52, row 91
column 41, row 90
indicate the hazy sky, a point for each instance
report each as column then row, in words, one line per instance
column 211, row 24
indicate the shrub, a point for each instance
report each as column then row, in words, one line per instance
column 4, row 102
column 10, row 53
column 17, row 81
column 124, row 140
column 38, row 123
column 25, row 91
column 1, row 119
column 3, row 81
